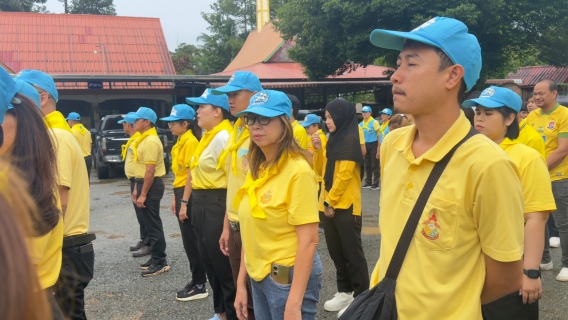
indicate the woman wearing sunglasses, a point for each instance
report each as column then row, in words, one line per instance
column 278, row 217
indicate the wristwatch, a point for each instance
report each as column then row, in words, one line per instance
column 326, row 204
column 532, row 274
column 185, row 201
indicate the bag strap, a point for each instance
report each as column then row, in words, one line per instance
column 410, row 227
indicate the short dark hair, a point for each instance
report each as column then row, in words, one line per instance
column 473, row 95
column 513, row 128
column 514, row 87
column 295, row 105
column 552, row 86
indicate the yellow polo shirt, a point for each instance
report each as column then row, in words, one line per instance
column 300, row 135
column 45, row 253
column 83, row 137
column 476, row 209
column 361, row 135
column 529, row 137
column 71, row 173
column 234, row 182
column 551, row 126
column 182, row 152
column 537, row 189
column 129, row 166
column 205, row 175
column 288, row 199
column 150, row 151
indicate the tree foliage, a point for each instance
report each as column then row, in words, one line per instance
column 186, row 59
column 102, row 7
column 333, row 35
column 22, row 5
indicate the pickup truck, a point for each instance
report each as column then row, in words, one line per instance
column 107, row 146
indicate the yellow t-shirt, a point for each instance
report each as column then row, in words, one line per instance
column 288, row 199
column 45, row 253
column 182, row 152
column 83, row 137
column 129, row 166
column 529, row 137
column 300, row 135
column 537, row 189
column 56, row 120
column 361, row 135
column 205, row 175
column 150, row 151
column 444, row 270
column 71, row 173
column 234, row 182
column 551, row 126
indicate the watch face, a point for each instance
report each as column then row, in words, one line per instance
column 533, row 274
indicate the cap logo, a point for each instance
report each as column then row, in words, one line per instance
column 139, row 109
column 487, row 93
column 205, row 94
column 260, row 98
column 231, row 80
column 174, row 112
column 425, row 24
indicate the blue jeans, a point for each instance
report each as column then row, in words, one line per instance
column 269, row 298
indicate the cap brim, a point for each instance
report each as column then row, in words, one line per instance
column 225, row 90
column 261, row 112
column 484, row 102
column 121, row 121
column 395, row 39
column 306, row 124
column 196, row 101
column 171, row 118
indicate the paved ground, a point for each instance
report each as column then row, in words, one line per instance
column 119, row 292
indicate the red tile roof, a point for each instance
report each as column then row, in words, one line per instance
column 530, row 76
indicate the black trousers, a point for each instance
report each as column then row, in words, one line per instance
column 372, row 164
column 77, row 270
column 189, row 239
column 89, row 163
column 343, row 237
column 208, row 218
column 56, row 312
column 152, row 220
column 510, row 307
column 144, row 237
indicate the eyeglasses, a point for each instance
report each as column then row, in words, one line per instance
column 250, row 120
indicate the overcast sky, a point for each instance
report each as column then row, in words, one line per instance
column 181, row 19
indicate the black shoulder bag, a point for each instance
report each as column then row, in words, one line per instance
column 379, row 302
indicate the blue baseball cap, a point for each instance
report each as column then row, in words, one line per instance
column 8, row 89
column 180, row 112
column 73, row 116
column 27, row 90
column 41, row 80
column 145, row 113
column 129, row 118
column 386, row 111
column 447, row 34
column 366, row 109
column 311, row 119
column 239, row 81
column 269, row 103
column 207, row 97
column 496, row 97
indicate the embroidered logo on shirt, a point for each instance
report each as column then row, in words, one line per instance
column 431, row 227
column 265, row 198
column 551, row 125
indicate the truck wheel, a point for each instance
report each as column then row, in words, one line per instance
column 102, row 172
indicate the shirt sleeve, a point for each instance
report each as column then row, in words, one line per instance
column 64, row 158
column 341, row 180
column 151, row 152
column 218, row 144
column 563, row 130
column 302, row 199
column 361, row 136
column 319, row 161
column 189, row 150
column 301, row 138
column 537, row 189
column 376, row 127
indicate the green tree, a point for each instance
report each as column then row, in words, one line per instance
column 186, row 59
column 21, row 5
column 103, row 7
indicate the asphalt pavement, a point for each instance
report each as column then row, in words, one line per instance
column 118, row 291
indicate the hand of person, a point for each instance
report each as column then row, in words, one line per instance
column 173, row 205
column 224, row 242
column 292, row 313
column 134, row 195
column 241, row 303
column 378, row 154
column 329, row 212
column 316, row 141
column 531, row 290
column 140, row 202
column 183, row 212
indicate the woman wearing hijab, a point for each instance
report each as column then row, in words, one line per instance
column 340, row 201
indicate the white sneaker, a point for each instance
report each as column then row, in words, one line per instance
column 554, row 242
column 546, row 266
column 339, row 301
column 563, row 275
column 340, row 313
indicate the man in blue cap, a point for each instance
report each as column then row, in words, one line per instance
column 370, row 128
column 149, row 168
column 83, row 137
column 457, row 259
column 73, row 181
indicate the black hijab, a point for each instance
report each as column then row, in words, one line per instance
column 343, row 144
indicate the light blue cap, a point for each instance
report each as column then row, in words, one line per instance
column 311, row 119
column 73, row 116
column 145, row 113
column 180, row 112
column 366, row 109
column 239, row 81
column 496, row 97
column 387, row 111
column 447, row 34
column 269, row 103
column 27, row 90
column 41, row 80
column 129, row 118
column 8, row 89
column 207, row 97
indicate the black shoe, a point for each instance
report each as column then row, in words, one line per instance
column 192, row 292
column 375, row 187
column 146, row 264
column 136, row 247
column 367, row 186
column 156, row 269
column 142, row 252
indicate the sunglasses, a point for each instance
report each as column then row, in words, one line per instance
column 250, row 120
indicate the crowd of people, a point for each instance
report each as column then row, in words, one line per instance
column 249, row 196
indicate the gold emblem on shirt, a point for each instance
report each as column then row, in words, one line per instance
column 266, row 197
column 431, row 227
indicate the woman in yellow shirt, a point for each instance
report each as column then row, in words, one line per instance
column 340, row 201
column 496, row 117
column 209, row 198
column 180, row 122
column 277, row 214
column 27, row 146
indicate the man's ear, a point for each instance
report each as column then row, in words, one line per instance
column 456, row 74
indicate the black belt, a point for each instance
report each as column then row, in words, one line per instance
column 142, row 179
column 205, row 192
column 235, row 225
column 78, row 240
